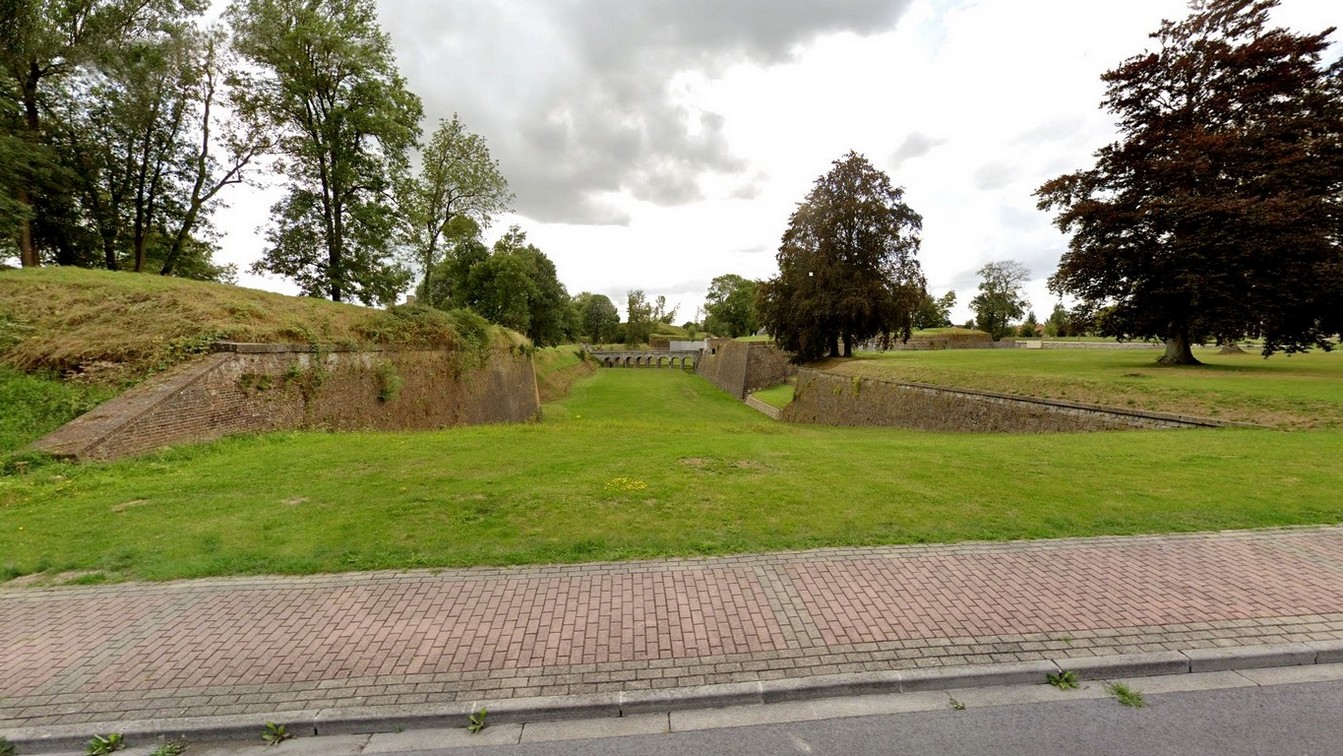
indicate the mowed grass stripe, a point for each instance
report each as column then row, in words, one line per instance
column 640, row 463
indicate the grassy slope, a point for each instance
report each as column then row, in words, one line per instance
column 121, row 326
column 34, row 405
column 1286, row 391
column 779, row 396
column 641, row 463
column 557, row 369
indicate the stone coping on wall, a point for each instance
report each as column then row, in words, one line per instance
column 247, row 347
column 1187, row 420
column 768, row 410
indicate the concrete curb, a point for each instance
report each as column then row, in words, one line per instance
column 375, row 719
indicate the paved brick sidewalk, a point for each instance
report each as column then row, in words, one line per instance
column 268, row 645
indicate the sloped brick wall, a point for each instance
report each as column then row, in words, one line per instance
column 256, row 388
column 829, row 399
column 740, row 367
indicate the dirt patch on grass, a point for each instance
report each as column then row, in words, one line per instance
column 126, row 505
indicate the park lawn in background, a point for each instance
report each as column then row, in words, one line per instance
column 639, row 463
column 779, row 396
column 1285, row 391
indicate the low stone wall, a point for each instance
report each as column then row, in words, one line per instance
column 1133, row 345
column 829, row 399
column 257, row 388
column 769, row 410
column 740, row 367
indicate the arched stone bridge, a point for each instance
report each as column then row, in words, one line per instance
column 684, row 359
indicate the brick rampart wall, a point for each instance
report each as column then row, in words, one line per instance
column 825, row 398
column 740, row 367
column 256, row 388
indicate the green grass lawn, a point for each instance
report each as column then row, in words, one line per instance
column 779, row 396
column 639, row 463
column 1284, row 391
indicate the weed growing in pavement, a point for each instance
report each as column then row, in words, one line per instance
column 956, row 704
column 6, row 747
column 1065, row 680
column 476, row 722
column 274, row 734
column 175, row 747
column 104, row 744
column 1126, row 695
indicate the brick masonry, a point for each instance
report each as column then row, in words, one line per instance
column 826, row 398
column 265, row 646
column 257, row 388
column 740, row 367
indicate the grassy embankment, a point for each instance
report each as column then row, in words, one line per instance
column 104, row 331
column 1301, row 391
column 640, row 463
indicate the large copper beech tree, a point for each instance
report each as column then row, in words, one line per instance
column 847, row 267
column 1218, row 213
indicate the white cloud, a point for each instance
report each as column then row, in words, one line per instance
column 656, row 145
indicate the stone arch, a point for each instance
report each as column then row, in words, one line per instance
column 660, row 359
column 627, row 361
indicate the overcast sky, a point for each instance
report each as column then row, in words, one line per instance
column 656, row 144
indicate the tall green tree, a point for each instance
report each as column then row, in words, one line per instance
column 514, row 284
column 326, row 80
column 42, row 43
column 935, row 313
column 847, row 265
column 546, row 301
column 1000, row 300
column 1217, row 214
column 597, row 317
column 730, row 306
column 457, row 179
column 639, row 321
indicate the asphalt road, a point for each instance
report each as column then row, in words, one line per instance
column 1281, row 719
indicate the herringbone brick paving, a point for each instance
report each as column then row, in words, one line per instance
column 267, row 645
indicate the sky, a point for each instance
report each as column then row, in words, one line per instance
column 656, row 144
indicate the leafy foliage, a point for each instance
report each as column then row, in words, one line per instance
column 101, row 745
column 847, row 267
column 730, row 306
column 596, row 317
column 999, row 300
column 326, row 80
column 274, row 734
column 109, row 147
column 639, row 320
column 1217, row 214
column 1064, row 680
column 935, row 313
column 514, row 285
column 476, row 722
column 458, row 180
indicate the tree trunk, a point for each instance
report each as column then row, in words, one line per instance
column 848, row 345
column 1178, row 351
column 27, row 249
column 834, row 346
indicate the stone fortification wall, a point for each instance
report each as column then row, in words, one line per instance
column 829, row 399
column 740, row 367
column 1126, row 345
column 256, row 388
column 934, row 343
